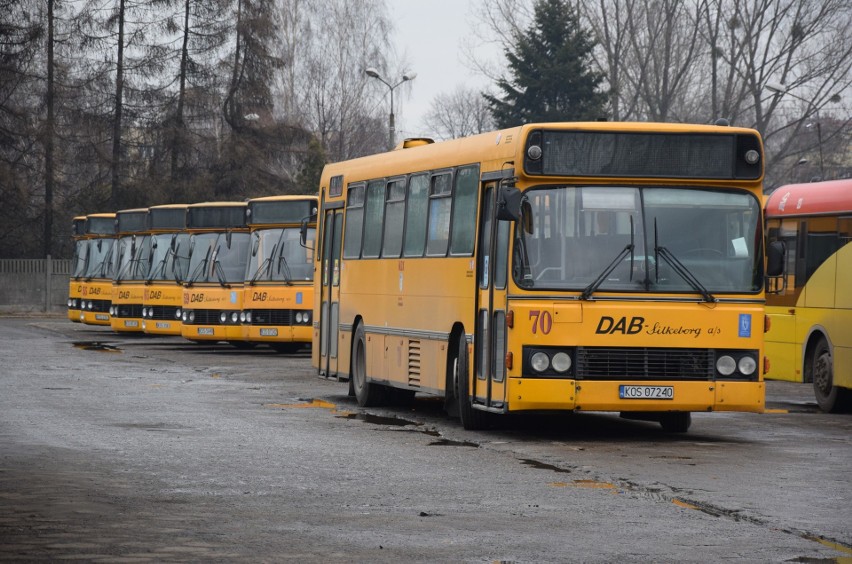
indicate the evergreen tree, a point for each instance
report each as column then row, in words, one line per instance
column 551, row 68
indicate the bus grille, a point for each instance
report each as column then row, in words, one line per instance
column 128, row 310
column 272, row 317
column 163, row 313
column 604, row 363
column 205, row 317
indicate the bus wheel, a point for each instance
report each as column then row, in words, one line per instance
column 472, row 419
column 676, row 421
column 368, row 395
column 822, row 370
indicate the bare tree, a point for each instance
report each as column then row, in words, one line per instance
column 459, row 113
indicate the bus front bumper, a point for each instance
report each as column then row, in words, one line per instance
column 540, row 394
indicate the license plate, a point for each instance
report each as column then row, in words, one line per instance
column 269, row 332
column 646, row 392
column 161, row 325
column 101, row 317
column 129, row 323
column 205, row 330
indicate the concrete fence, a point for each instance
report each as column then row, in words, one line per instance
column 34, row 285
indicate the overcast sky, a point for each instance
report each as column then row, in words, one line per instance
column 428, row 36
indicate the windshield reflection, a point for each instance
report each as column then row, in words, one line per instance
column 278, row 255
column 594, row 239
column 100, row 262
column 218, row 257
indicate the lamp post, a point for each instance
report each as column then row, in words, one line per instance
column 781, row 90
column 373, row 73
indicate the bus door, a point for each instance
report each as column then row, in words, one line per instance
column 330, row 298
column 489, row 386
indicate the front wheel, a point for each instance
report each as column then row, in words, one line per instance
column 676, row 421
column 472, row 419
column 368, row 395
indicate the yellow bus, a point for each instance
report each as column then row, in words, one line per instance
column 78, row 266
column 279, row 294
column 133, row 249
column 96, row 291
column 163, row 295
column 549, row 267
column 810, row 304
column 213, row 289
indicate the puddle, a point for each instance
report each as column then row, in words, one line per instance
column 543, row 466
column 448, row 442
column 95, row 346
column 379, row 420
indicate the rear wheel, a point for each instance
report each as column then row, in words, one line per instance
column 828, row 396
column 472, row 419
column 368, row 395
column 676, row 421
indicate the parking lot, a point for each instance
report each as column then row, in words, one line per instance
column 127, row 448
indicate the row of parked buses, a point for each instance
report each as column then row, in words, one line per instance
column 618, row 267
column 239, row 272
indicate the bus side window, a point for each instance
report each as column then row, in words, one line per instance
column 374, row 211
column 440, row 203
column 394, row 218
column 464, row 211
column 415, row 215
column 354, row 222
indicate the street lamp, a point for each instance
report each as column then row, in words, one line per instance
column 373, row 73
column 781, row 90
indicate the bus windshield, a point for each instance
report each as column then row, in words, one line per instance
column 81, row 251
column 639, row 239
column 133, row 259
column 166, row 262
column 218, row 257
column 278, row 255
column 100, row 263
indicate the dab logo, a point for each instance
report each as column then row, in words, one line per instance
column 609, row 325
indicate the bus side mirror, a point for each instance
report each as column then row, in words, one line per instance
column 775, row 258
column 509, row 203
column 303, row 231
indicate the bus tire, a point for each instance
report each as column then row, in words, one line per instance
column 676, row 421
column 368, row 395
column 828, row 396
column 471, row 419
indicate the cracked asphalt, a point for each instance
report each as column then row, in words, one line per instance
column 122, row 448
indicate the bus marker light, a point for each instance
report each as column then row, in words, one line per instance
column 510, row 319
column 767, row 323
column 766, row 365
column 510, row 360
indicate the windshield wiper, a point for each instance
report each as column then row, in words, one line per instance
column 628, row 249
column 679, row 268
column 220, row 273
column 282, row 263
column 198, row 270
column 263, row 266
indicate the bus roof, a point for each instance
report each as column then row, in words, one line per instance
column 815, row 198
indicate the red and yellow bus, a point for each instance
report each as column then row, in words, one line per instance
column 162, row 298
column 78, row 266
column 96, row 290
column 133, row 249
column 279, row 293
column 810, row 303
column 213, row 289
column 549, row 267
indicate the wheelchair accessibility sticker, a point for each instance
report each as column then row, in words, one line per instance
column 745, row 325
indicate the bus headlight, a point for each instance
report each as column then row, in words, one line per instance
column 178, row 314
column 539, row 361
column 235, row 317
column 248, row 317
column 726, row 365
column 192, row 317
column 561, row 362
column 223, row 317
column 747, row 365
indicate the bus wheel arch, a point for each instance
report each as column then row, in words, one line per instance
column 451, row 388
column 367, row 394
